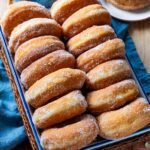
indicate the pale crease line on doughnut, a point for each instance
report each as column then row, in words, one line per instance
column 75, row 135
column 62, row 9
column 45, row 65
column 33, row 28
column 36, row 48
column 124, row 121
column 108, row 73
column 90, row 38
column 111, row 49
column 130, row 4
column 22, row 11
column 112, row 97
column 53, row 85
column 49, row 115
column 84, row 18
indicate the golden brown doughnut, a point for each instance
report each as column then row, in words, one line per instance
column 124, row 121
column 45, row 65
column 34, row 49
column 130, row 4
column 55, row 84
column 112, row 97
column 108, row 73
column 90, row 38
column 85, row 18
column 62, row 109
column 81, row 132
column 109, row 50
column 33, row 28
column 20, row 12
column 62, row 9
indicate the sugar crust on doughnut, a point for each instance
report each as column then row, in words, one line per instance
column 111, row 49
column 124, row 121
column 85, row 18
column 62, row 109
column 20, row 12
column 108, row 73
column 45, row 65
column 62, row 9
column 75, row 135
column 112, row 97
column 55, row 84
column 34, row 49
column 90, row 38
column 33, row 28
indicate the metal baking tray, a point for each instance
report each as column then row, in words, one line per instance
column 99, row 143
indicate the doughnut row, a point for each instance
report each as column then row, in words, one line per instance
column 99, row 53
column 52, row 85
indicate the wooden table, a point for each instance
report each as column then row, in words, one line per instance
column 140, row 32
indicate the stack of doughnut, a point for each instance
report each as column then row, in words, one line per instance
column 112, row 93
column 54, row 76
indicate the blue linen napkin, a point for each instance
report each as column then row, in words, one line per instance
column 11, row 128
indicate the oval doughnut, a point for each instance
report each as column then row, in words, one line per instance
column 85, row 18
column 81, row 132
column 108, row 73
column 124, row 121
column 55, row 112
column 55, row 84
column 90, row 38
column 109, row 50
column 20, row 12
column 59, row 9
column 45, row 65
column 33, row 28
column 112, row 97
column 130, row 4
column 34, row 49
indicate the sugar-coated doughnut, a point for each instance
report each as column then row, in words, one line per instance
column 34, row 49
column 108, row 73
column 62, row 109
column 112, row 97
column 20, row 12
column 62, row 9
column 85, row 18
column 130, row 4
column 54, row 84
column 124, row 121
column 45, row 65
column 111, row 49
column 90, row 38
column 81, row 132
column 33, row 28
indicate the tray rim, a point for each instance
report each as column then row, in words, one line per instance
column 29, row 116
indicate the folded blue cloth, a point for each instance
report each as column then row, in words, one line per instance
column 11, row 128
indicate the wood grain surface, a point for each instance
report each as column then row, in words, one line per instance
column 140, row 32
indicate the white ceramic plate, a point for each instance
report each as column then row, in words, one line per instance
column 127, row 15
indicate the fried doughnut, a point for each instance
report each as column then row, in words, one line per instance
column 109, row 50
column 124, row 121
column 20, row 12
column 62, row 109
column 62, row 9
column 90, row 38
column 79, row 133
column 34, row 49
column 112, row 97
column 33, row 28
column 85, row 18
column 54, row 84
column 47, row 64
column 130, row 4
column 108, row 73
